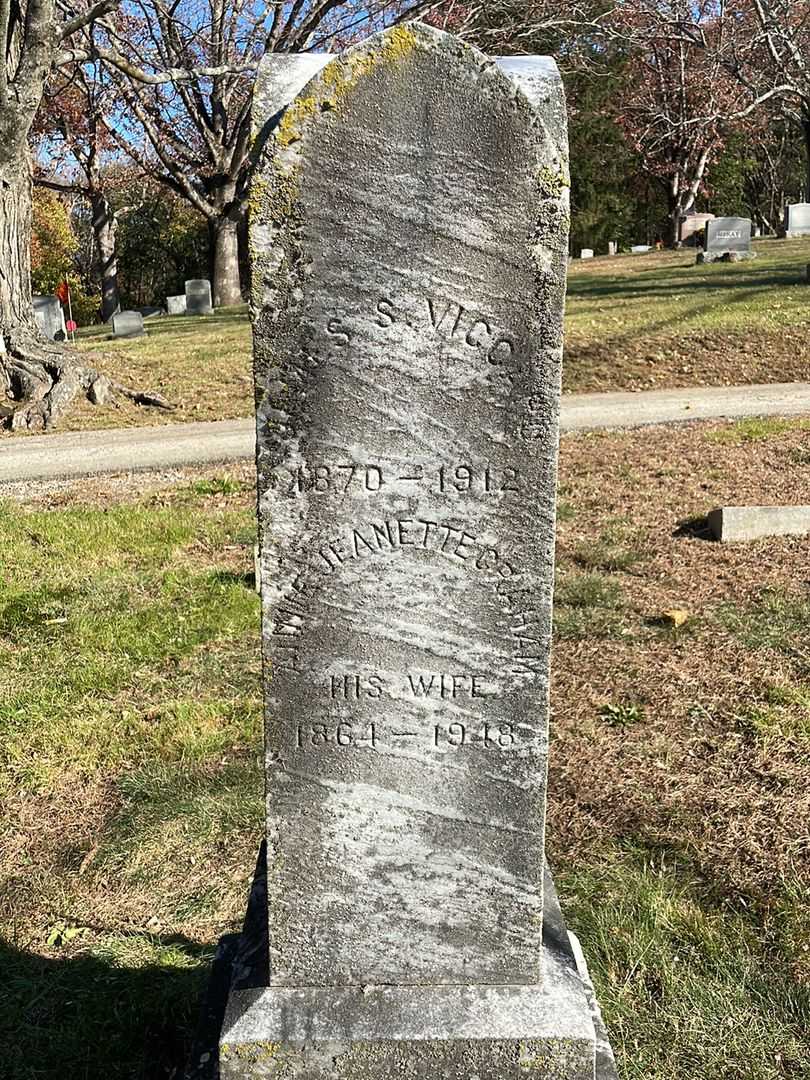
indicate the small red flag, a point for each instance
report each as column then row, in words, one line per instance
column 63, row 292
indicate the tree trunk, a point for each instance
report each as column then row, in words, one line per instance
column 225, row 243
column 38, row 378
column 806, row 130
column 674, row 200
column 16, row 307
column 104, row 231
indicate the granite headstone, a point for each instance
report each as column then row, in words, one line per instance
column 797, row 219
column 198, row 297
column 727, row 238
column 176, row 305
column 127, row 324
column 50, row 318
column 586, row 253
column 409, row 237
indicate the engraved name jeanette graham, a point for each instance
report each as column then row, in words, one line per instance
column 527, row 623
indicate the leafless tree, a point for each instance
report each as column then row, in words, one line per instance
column 207, row 53
column 199, row 131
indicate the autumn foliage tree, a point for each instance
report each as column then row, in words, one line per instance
column 677, row 98
column 78, row 153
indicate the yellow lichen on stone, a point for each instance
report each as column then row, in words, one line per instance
column 258, row 191
column 338, row 78
column 289, row 130
column 553, row 181
column 251, row 1053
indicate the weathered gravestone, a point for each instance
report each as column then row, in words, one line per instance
column 176, row 305
column 727, row 238
column 50, row 318
column 797, row 219
column 127, row 324
column 409, row 230
column 613, row 247
column 586, row 253
column 198, row 297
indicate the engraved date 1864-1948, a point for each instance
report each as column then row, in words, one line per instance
column 341, row 735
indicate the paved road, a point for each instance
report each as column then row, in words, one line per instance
column 47, row 457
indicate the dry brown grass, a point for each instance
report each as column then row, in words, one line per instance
column 692, row 774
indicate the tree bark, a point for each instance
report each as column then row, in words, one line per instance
column 16, row 306
column 225, row 250
column 675, row 211
column 806, row 130
column 104, row 226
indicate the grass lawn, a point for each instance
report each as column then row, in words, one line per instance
column 633, row 322
column 201, row 364
column 658, row 320
column 130, row 781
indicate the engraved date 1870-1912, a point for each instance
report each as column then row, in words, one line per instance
column 342, row 477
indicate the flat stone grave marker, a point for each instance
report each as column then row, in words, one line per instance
column 127, row 324
column 198, row 297
column 797, row 219
column 50, row 318
column 586, row 253
column 176, row 305
column 409, row 236
column 640, row 249
column 728, row 523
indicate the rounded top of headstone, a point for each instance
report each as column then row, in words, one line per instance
column 313, row 83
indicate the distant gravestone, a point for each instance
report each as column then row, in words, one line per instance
column 586, row 253
column 198, row 297
column 612, row 247
column 409, row 250
column 727, row 238
column 693, row 226
column 176, row 305
column 640, row 249
column 50, row 318
column 797, row 219
column 127, row 324
column 152, row 312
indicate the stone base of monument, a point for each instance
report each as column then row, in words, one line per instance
column 724, row 256
column 251, row 1031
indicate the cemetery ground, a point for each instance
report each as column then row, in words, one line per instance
column 679, row 801
column 633, row 322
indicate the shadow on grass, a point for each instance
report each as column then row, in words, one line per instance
column 696, row 528
column 86, row 1018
